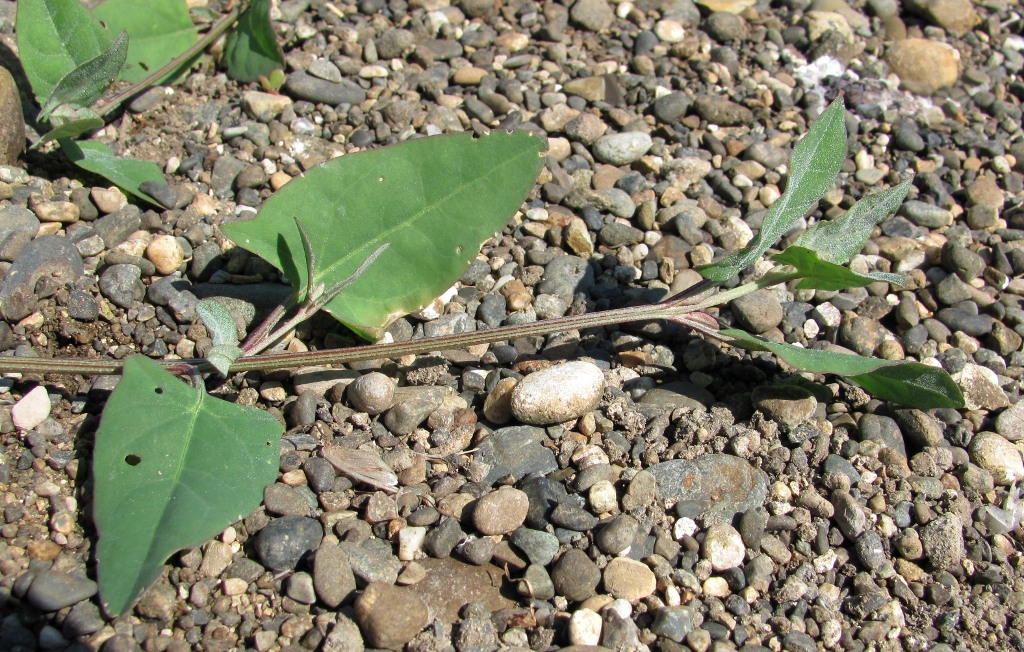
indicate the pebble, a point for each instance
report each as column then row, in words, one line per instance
column 264, row 107
column 515, row 451
column 412, row 406
column 629, row 579
column 593, row 15
column 722, row 485
column 108, row 200
column 557, row 394
column 333, row 580
column 122, row 285
column 943, row 541
column 723, row 547
column 47, row 256
column 283, row 542
column 758, row 312
column 372, row 393
column 304, row 86
column 616, row 535
column 52, row 590
column 585, row 627
column 998, row 456
column 723, row 112
column 18, row 226
column 539, row 547
column 789, row 405
column 32, row 409
column 389, row 617
column 12, row 121
column 501, row 511
column 1010, row 422
column 575, row 576
column 622, row 149
column 166, row 254
column 924, row 66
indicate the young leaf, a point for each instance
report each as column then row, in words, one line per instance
column 70, row 122
column 223, row 332
column 127, row 173
column 252, row 50
column 54, row 38
column 909, row 383
column 173, row 466
column 823, row 275
column 159, row 29
column 86, row 83
column 838, row 240
column 813, row 167
column 435, row 200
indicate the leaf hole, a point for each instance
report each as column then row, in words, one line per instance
column 380, row 179
column 159, row 390
column 132, row 460
column 459, row 250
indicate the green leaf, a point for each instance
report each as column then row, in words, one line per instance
column 223, row 332
column 54, row 38
column 435, row 200
column 173, row 467
column 70, row 122
column 252, row 50
column 909, row 383
column 125, row 172
column 86, row 83
column 823, row 275
column 159, row 29
column 838, row 240
column 813, row 167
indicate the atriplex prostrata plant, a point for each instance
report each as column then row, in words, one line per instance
column 71, row 56
column 375, row 235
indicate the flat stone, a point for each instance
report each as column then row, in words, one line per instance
column 924, row 66
column 721, row 485
column 943, row 541
column 622, row 149
column 53, row 590
column 304, row 86
column 721, row 111
column 282, row 543
column 629, row 579
column 595, row 15
column 482, row 584
column 18, row 226
column 559, row 393
column 389, row 617
column 412, row 405
column 264, row 106
column 998, row 456
column 333, row 580
column 46, row 256
column 501, row 511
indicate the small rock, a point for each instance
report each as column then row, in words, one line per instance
column 108, row 200
column 595, row 15
column 18, row 226
column 53, row 590
column 12, row 121
column 957, row 17
column 585, row 627
column 721, row 111
column 46, row 256
column 622, row 149
column 575, row 576
column 32, row 409
column 943, row 541
column 498, row 404
column 282, row 543
column 264, row 106
column 63, row 212
column 787, row 404
column 333, row 580
column 389, row 617
column 629, row 579
column 1010, row 422
column 722, row 485
column 372, row 393
column 559, row 393
column 617, row 534
column 924, row 66
column 981, row 388
column 539, row 547
column 759, row 311
column 515, row 451
column 122, row 284
column 412, row 405
column 305, row 86
column 166, row 253
column 500, row 512
column 997, row 456
column 723, row 547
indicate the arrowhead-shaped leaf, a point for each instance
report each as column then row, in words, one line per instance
column 54, row 38
column 127, row 173
column 173, row 467
column 838, row 240
column 908, row 383
column 813, row 167
column 159, row 31
column 435, row 200
column 822, row 275
column 252, row 50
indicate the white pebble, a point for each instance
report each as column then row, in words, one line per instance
column 32, row 409
column 603, row 498
column 560, row 393
column 996, row 455
column 723, row 547
column 684, row 527
column 585, row 627
column 410, row 542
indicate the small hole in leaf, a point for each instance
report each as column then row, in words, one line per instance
column 458, row 251
column 380, row 179
column 159, row 390
column 132, row 460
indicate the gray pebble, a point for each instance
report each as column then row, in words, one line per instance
column 53, row 590
column 848, row 514
column 47, row 256
column 283, row 500
column 515, row 451
column 721, row 485
column 789, row 405
column 672, row 107
column 412, row 405
column 673, row 623
column 537, row 583
column 622, row 149
column 333, row 580
column 870, row 550
column 925, row 214
column 571, row 517
column 122, row 284
column 575, row 576
column 282, row 543
column 616, row 234
column 721, row 111
column 18, row 226
column 442, row 539
column 616, row 534
column 478, row 551
column 116, row 227
column 303, row 86
column 163, row 193
column 758, row 312
column 943, row 541
column 539, row 547
column 300, row 588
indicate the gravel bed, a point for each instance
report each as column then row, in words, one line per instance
column 635, row 488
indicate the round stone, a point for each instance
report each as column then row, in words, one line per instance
column 165, row 252
column 560, row 393
column 500, row 512
column 32, row 409
column 723, row 547
column 629, row 579
column 997, row 456
column 622, row 149
column 585, row 627
column 575, row 576
column 388, row 616
column 373, row 393
column 281, row 544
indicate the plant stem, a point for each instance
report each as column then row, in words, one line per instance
column 674, row 309
column 111, row 104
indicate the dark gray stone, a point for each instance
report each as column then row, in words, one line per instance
column 49, row 256
column 53, row 590
column 303, row 86
column 18, row 226
column 721, row 485
column 283, row 542
column 515, row 451
column 122, row 284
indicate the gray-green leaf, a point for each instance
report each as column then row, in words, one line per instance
column 813, row 167
column 909, row 383
column 127, row 173
column 70, row 122
column 819, row 274
column 222, row 356
column 838, row 240
column 54, row 38
column 218, row 321
column 86, row 83
column 252, row 50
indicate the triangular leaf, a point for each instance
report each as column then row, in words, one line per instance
column 127, row 173
column 435, row 200
column 173, row 466
column 159, row 32
column 218, row 321
column 838, row 240
column 86, row 83
column 54, row 38
column 252, row 50
column 822, row 275
column 813, row 167
column 908, row 383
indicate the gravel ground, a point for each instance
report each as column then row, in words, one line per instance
column 632, row 488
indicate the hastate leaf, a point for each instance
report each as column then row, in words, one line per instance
column 173, row 466
column 127, row 173
column 819, row 274
column 908, row 383
column 159, row 30
column 86, row 83
column 434, row 200
column 813, row 167
column 252, row 50
column 838, row 240
column 54, row 38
